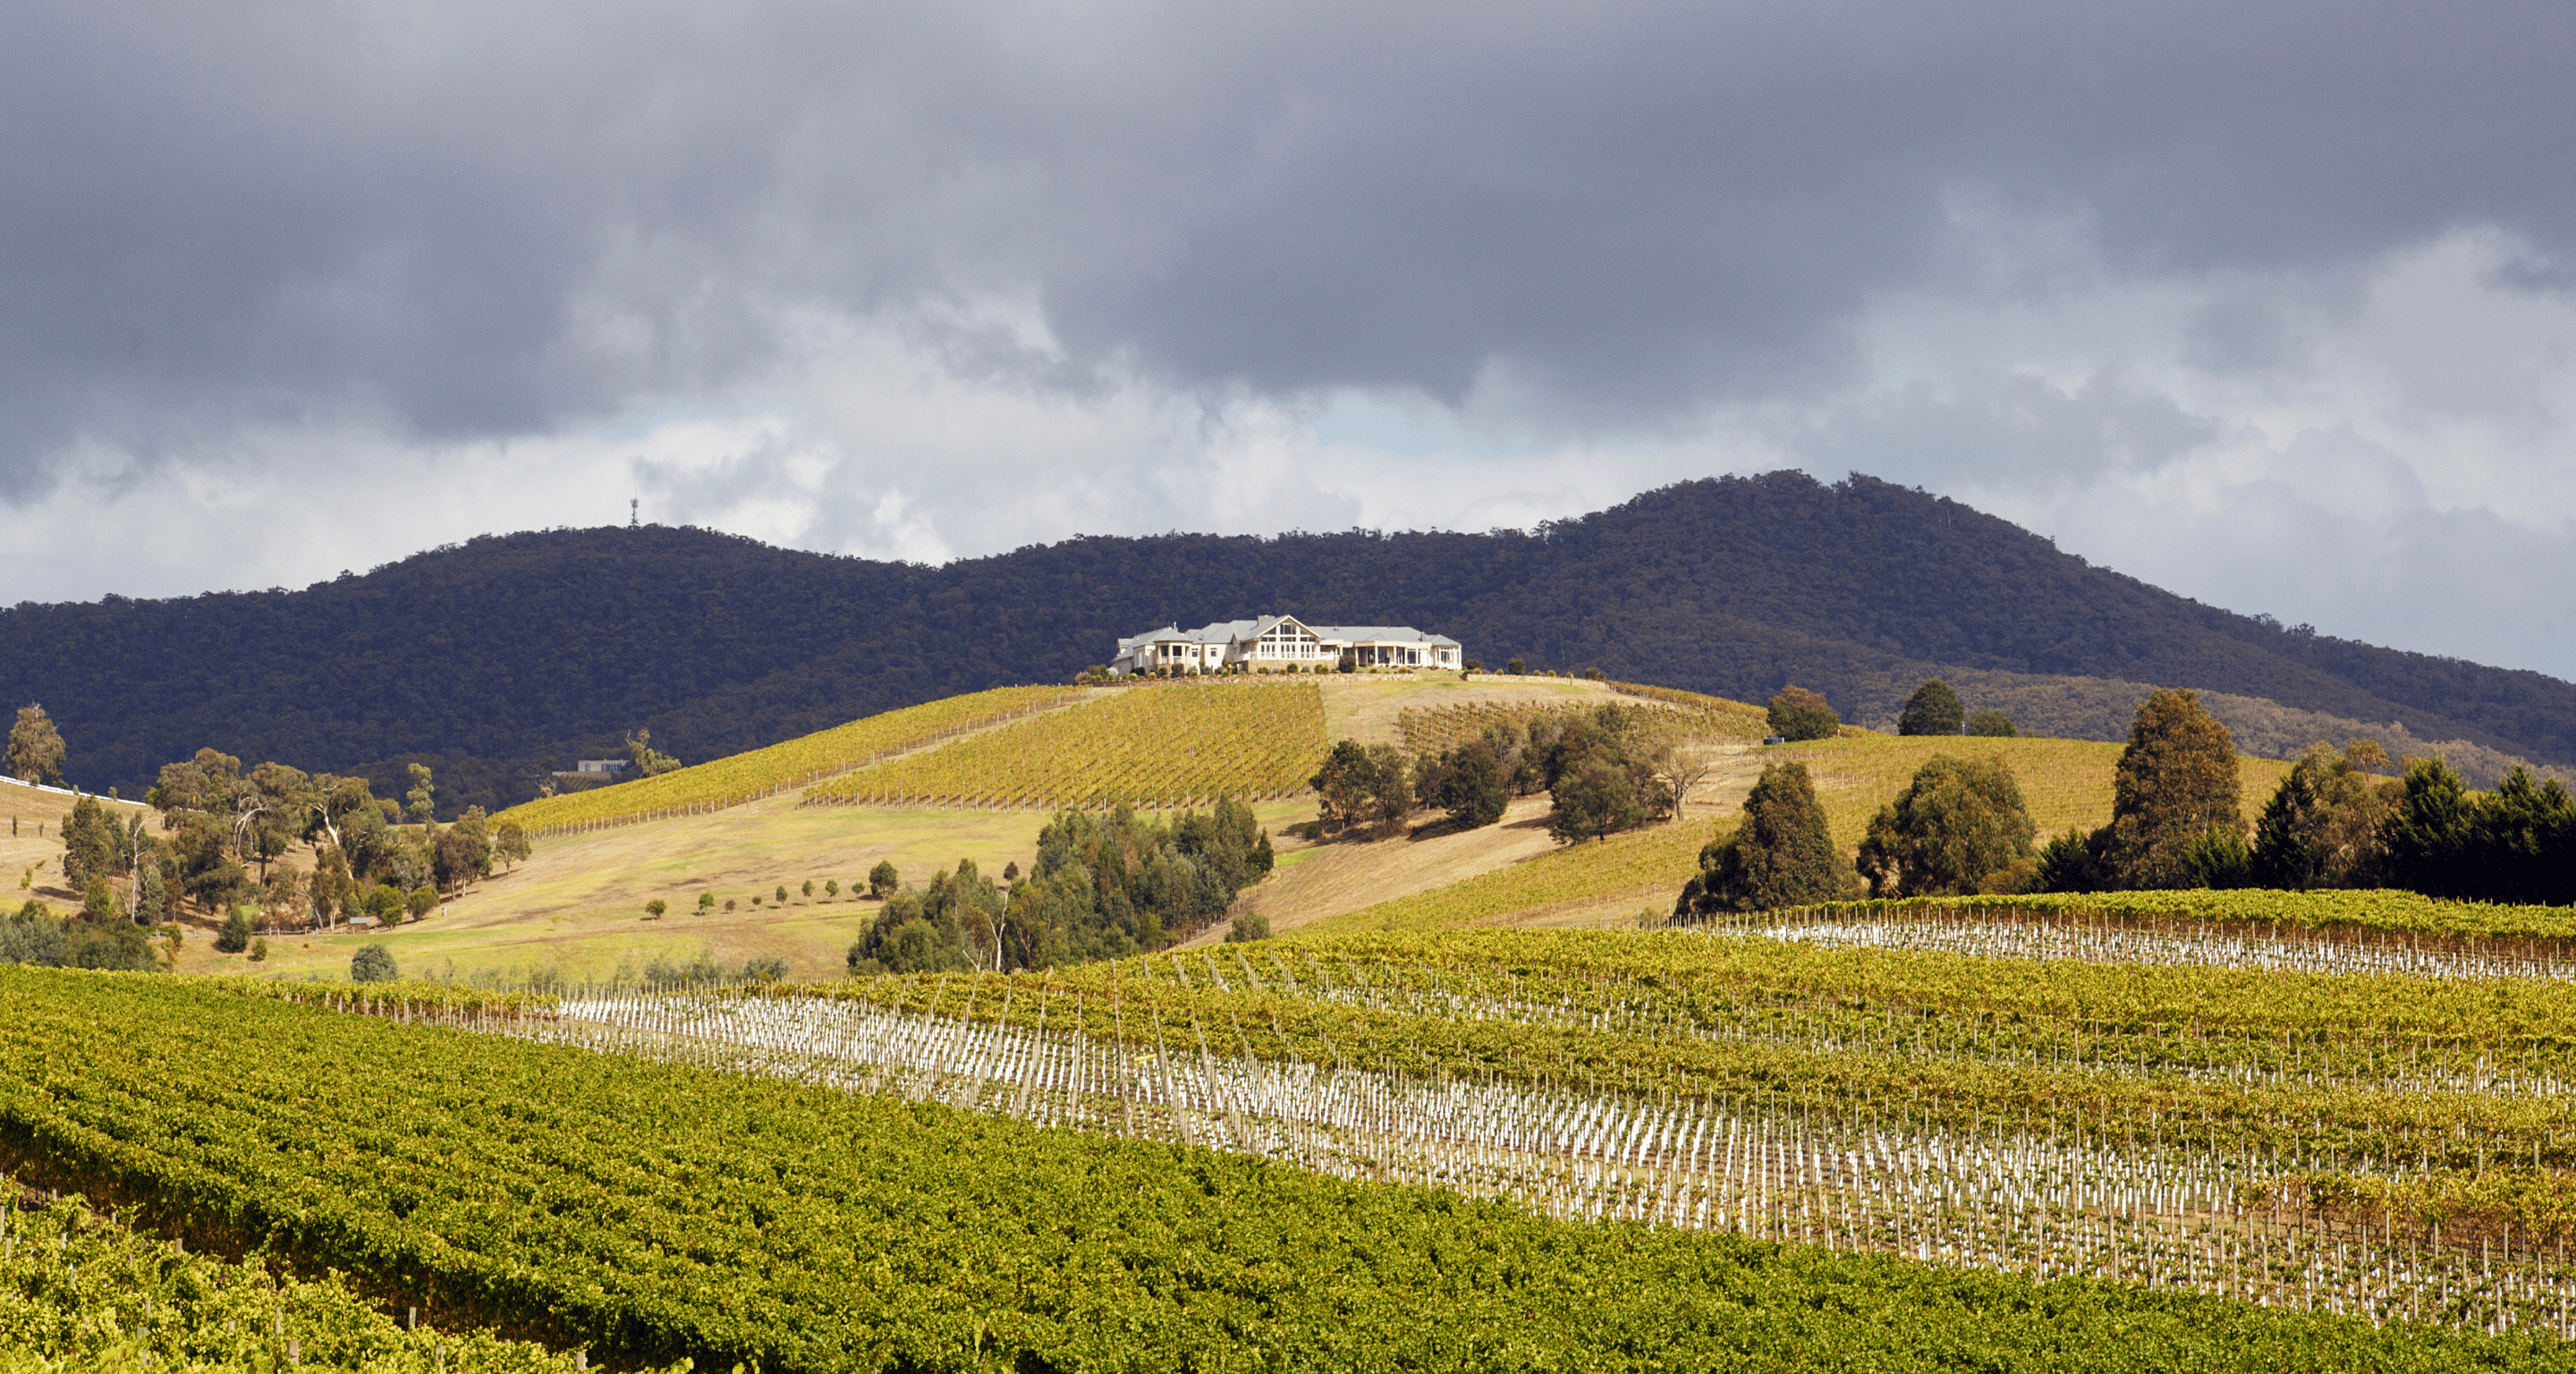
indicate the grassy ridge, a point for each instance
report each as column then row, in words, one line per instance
column 1149, row 745
column 649, row 1210
column 762, row 772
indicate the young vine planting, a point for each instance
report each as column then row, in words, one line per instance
column 2391, row 1147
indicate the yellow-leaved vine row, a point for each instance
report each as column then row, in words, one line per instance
column 759, row 773
column 1154, row 745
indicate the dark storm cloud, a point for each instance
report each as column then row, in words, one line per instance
column 489, row 220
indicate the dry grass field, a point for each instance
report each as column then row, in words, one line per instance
column 31, row 844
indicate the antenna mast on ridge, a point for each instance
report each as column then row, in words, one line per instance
column 632, row 503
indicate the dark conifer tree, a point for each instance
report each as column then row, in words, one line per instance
column 1780, row 854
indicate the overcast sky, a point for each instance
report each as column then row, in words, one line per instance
column 2272, row 305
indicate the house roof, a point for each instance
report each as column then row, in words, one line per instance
column 1240, row 631
column 1379, row 634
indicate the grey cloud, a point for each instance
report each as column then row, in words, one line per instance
column 498, row 218
column 2001, row 431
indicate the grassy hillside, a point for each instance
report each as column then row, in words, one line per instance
column 766, row 772
column 1151, row 745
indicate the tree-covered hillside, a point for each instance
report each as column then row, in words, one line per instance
column 493, row 660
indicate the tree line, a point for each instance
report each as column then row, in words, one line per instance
column 1615, row 767
column 2335, row 820
column 1104, row 886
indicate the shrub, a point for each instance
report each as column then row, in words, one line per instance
column 372, row 964
column 31, row 935
column 99, row 902
column 1517, row 668
column 2076, row 861
column 118, row 945
column 259, row 951
column 2219, row 859
column 831, row 889
column 1798, row 714
column 1247, row 926
column 782, row 894
column 235, row 935
column 706, row 902
column 654, row 908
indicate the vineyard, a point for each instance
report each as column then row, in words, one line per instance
column 766, row 772
column 1438, row 729
column 902, row 1207
column 1163, row 745
column 2393, row 1148
column 78, row 1290
column 1726, row 719
column 2536, row 931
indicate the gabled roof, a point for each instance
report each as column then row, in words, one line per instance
column 1155, row 636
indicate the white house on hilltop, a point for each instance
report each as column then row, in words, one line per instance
column 1283, row 641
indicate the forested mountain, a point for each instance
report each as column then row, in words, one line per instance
column 510, row 654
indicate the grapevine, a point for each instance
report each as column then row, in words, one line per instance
column 1162, row 745
column 760, row 773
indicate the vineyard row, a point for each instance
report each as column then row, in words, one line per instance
column 1995, row 1195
